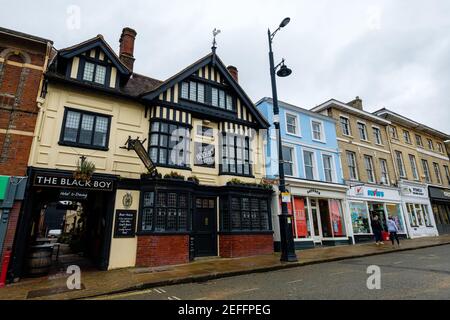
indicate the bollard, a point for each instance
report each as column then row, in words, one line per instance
column 5, row 264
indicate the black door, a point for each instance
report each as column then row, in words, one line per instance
column 205, row 227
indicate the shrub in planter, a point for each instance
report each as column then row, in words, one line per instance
column 84, row 170
column 194, row 179
column 174, row 175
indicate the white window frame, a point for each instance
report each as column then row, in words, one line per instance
column 294, row 159
column 437, row 172
column 322, row 131
column 430, row 146
column 347, row 152
column 420, row 145
column 349, row 126
column 365, row 131
column 393, row 132
column 447, row 173
column 407, row 136
column 374, row 129
column 402, row 164
column 298, row 130
column 314, row 163
column 371, row 163
column 426, row 169
column 333, row 167
column 414, row 168
column 439, row 147
column 382, row 160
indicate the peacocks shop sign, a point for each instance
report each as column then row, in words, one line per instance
column 67, row 182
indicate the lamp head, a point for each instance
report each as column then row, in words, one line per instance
column 285, row 22
column 284, row 71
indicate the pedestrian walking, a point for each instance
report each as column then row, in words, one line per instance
column 393, row 231
column 377, row 230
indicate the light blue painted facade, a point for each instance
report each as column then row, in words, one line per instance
column 302, row 141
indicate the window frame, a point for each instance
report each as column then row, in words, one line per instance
column 393, row 132
column 440, row 147
column 297, row 124
column 292, row 162
column 384, row 171
column 76, row 144
column 366, row 139
column 378, row 137
column 355, row 165
column 332, row 167
column 349, row 127
column 426, row 171
column 437, row 172
column 313, row 164
column 323, row 138
column 401, row 164
column 414, row 168
column 86, row 59
column 430, row 144
column 247, row 148
column 369, row 166
column 407, row 136
column 447, row 173
column 419, row 141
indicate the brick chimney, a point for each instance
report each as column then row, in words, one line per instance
column 234, row 72
column 357, row 103
column 126, row 53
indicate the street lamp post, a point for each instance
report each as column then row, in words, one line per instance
column 285, row 219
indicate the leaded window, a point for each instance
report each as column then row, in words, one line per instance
column 244, row 213
column 236, row 155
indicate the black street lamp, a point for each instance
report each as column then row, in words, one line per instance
column 286, row 235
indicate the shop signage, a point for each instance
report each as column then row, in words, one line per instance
column 446, row 194
column 375, row 193
column 138, row 147
column 439, row 194
column 204, row 155
column 73, row 195
column 125, row 225
column 286, row 197
column 315, row 191
column 65, row 181
column 413, row 191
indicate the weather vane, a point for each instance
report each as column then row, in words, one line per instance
column 215, row 33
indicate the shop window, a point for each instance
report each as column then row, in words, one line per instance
column 360, row 218
column 301, row 218
column 169, row 144
column 427, row 215
column 236, row 155
column 165, row 212
column 85, row 129
column 337, row 218
column 245, row 214
column 394, row 211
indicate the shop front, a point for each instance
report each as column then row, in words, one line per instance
column 366, row 201
column 64, row 220
column 318, row 211
column 440, row 202
column 417, row 208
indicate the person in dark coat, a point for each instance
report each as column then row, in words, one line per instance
column 377, row 230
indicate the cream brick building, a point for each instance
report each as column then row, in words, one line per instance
column 422, row 169
column 367, row 166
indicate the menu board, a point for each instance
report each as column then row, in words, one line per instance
column 125, row 225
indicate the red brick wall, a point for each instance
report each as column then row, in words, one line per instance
column 233, row 246
column 11, row 230
column 160, row 250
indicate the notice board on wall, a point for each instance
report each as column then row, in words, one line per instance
column 125, row 224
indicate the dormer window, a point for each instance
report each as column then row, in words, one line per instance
column 199, row 92
column 94, row 73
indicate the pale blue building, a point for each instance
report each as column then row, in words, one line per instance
column 312, row 165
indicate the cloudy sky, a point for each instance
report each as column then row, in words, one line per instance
column 392, row 53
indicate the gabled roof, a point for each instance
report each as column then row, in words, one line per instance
column 92, row 43
column 345, row 107
column 25, row 36
column 402, row 120
column 217, row 62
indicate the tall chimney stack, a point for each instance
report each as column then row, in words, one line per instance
column 357, row 103
column 234, row 72
column 126, row 53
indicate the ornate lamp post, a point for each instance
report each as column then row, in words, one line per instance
column 286, row 235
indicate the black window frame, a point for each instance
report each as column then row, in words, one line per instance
column 155, row 207
column 187, row 152
column 234, row 220
column 77, row 144
column 208, row 87
column 223, row 143
column 96, row 62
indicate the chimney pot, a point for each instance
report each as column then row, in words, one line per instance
column 234, row 72
column 126, row 53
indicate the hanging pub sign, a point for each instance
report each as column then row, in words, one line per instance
column 138, row 147
column 66, row 181
column 204, row 155
column 73, row 195
column 125, row 225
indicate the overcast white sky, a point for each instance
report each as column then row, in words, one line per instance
column 392, row 53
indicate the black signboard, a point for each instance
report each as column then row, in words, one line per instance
column 125, row 226
column 204, row 155
column 73, row 195
column 439, row 194
column 65, row 181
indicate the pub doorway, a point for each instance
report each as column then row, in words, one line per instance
column 67, row 227
column 205, row 227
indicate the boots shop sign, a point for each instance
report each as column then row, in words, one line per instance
column 68, row 182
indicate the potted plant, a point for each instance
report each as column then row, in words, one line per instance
column 174, row 176
column 194, row 179
column 84, row 170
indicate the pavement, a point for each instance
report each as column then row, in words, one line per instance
column 100, row 283
column 422, row 274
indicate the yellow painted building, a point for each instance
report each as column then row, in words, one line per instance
column 198, row 129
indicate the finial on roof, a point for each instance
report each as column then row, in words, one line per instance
column 215, row 33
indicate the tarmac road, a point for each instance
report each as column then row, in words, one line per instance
column 418, row 274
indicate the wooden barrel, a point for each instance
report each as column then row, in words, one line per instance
column 40, row 260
